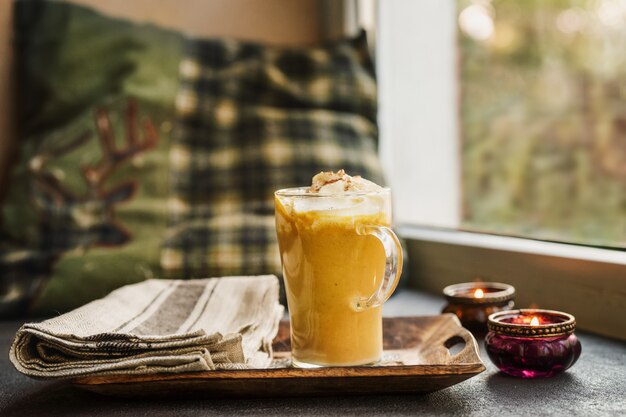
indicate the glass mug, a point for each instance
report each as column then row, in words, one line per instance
column 341, row 262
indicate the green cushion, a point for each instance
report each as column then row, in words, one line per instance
column 66, row 240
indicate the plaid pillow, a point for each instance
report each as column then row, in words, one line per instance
column 252, row 119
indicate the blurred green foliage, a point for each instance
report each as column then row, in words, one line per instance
column 543, row 116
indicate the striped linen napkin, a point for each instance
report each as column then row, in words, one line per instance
column 157, row 326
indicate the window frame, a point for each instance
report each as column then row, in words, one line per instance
column 588, row 282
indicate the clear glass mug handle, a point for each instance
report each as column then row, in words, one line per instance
column 393, row 265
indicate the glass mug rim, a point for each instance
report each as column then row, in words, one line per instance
column 303, row 192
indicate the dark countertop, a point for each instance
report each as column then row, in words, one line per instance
column 596, row 385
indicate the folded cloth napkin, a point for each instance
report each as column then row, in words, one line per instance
column 157, row 326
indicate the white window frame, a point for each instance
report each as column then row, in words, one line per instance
column 416, row 65
column 419, row 143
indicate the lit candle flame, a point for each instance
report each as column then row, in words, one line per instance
column 479, row 293
column 534, row 321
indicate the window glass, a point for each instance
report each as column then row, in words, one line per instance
column 542, row 88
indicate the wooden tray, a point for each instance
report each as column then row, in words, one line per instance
column 416, row 360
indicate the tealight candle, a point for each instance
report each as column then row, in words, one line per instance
column 473, row 302
column 532, row 343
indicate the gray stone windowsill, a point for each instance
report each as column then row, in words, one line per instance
column 596, row 385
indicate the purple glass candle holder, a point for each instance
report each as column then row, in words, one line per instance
column 474, row 302
column 532, row 343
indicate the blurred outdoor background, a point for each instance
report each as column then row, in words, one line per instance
column 542, row 87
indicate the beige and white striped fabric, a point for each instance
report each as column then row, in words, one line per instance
column 157, row 326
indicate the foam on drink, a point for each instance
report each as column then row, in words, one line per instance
column 338, row 193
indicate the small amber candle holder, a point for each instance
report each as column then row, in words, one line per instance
column 532, row 343
column 474, row 302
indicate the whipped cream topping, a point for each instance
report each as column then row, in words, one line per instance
column 330, row 183
column 337, row 193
